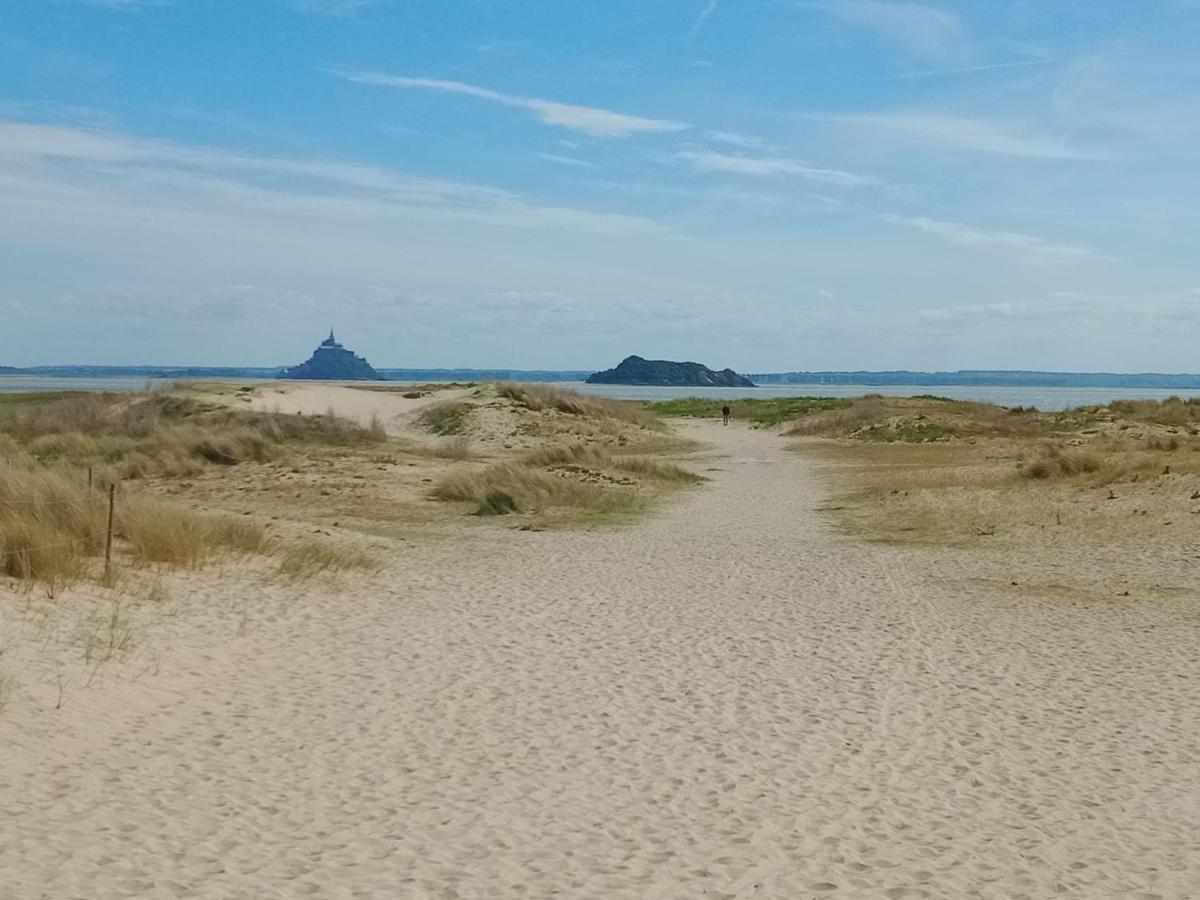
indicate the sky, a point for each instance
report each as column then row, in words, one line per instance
column 772, row 185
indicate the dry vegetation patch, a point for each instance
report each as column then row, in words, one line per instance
column 539, row 397
column 1114, row 473
column 567, row 481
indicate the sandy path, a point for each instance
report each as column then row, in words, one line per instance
column 727, row 701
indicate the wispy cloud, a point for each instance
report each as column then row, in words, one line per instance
column 586, row 119
column 736, row 139
column 773, row 166
column 566, row 160
column 979, row 135
column 55, row 163
column 123, row 5
column 334, row 7
column 921, row 31
column 965, row 70
column 1021, row 310
column 1025, row 246
column 708, row 10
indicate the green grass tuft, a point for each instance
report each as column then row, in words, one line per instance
column 445, row 418
column 497, row 503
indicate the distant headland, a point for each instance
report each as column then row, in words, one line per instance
column 661, row 372
column 332, row 362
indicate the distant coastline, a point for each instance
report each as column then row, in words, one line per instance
column 966, row 378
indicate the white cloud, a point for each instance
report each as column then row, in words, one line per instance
column 978, row 135
column 334, row 7
column 1019, row 310
column 708, row 10
column 566, row 161
column 586, row 119
column 773, row 166
column 736, row 139
column 1025, row 246
column 60, row 163
column 116, row 4
column 921, row 31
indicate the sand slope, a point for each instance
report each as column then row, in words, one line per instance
column 727, row 701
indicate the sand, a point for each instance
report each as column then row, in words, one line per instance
column 360, row 405
column 728, row 700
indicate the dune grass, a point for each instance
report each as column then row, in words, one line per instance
column 142, row 435
column 53, row 528
column 537, row 397
column 578, row 480
column 309, row 558
column 161, row 532
column 761, row 413
column 447, row 418
column 1096, row 472
column 49, row 525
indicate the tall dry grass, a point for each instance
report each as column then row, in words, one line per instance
column 159, row 532
column 163, row 434
column 50, row 523
column 309, row 558
column 538, row 397
column 447, row 418
column 53, row 526
column 581, row 478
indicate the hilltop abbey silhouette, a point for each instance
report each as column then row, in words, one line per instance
column 332, row 362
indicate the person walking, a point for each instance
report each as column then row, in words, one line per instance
column 726, row 413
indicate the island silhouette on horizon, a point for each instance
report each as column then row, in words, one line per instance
column 332, row 362
column 634, row 370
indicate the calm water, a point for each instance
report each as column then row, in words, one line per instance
column 1047, row 398
column 1042, row 398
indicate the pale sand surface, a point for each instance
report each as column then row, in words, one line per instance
column 727, row 700
column 357, row 404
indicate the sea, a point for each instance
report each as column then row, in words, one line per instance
column 1045, row 398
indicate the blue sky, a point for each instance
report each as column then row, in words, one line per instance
column 766, row 184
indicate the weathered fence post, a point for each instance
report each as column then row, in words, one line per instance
column 112, row 502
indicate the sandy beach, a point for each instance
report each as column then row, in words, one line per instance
column 726, row 700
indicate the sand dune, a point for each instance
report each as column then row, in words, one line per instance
column 392, row 408
column 725, row 701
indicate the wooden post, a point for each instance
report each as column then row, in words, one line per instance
column 112, row 502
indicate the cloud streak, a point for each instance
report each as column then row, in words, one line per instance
column 334, row 7
column 704, row 16
column 1025, row 246
column 954, row 132
column 773, row 167
column 589, row 120
column 921, row 31
column 74, row 164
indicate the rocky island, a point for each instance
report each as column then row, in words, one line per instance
column 662, row 372
column 332, row 362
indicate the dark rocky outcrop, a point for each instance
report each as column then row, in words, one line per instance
column 661, row 372
column 332, row 362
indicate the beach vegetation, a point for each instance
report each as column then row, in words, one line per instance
column 576, row 481
column 143, row 435
column 762, row 413
column 301, row 560
column 447, row 418
column 538, row 397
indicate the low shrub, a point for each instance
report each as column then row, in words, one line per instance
column 447, row 418
column 497, row 503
